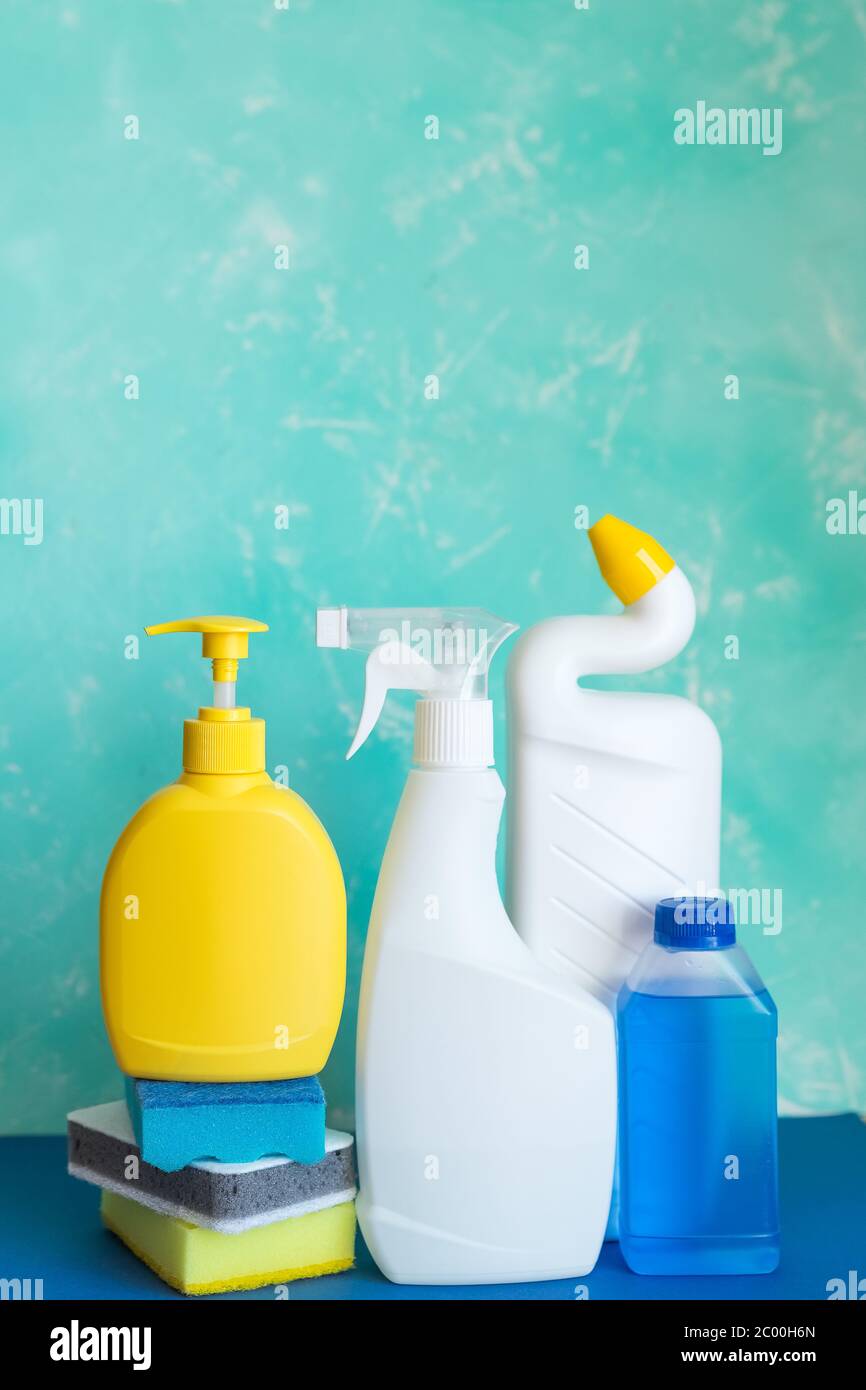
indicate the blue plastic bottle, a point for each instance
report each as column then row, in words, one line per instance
column 697, row 1066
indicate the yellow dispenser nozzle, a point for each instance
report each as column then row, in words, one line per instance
column 224, row 639
column 223, row 738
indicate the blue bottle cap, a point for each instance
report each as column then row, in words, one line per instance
column 695, row 924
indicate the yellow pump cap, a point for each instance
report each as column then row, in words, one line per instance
column 631, row 561
column 224, row 738
column 224, row 639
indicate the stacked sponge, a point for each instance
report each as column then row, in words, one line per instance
column 208, row 1224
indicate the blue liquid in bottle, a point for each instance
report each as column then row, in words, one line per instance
column 697, row 1065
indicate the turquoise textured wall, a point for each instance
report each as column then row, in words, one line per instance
column 154, row 258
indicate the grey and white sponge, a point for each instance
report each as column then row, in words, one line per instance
column 227, row 1197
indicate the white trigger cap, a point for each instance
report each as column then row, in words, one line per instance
column 453, row 733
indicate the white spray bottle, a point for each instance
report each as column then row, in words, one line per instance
column 486, row 1083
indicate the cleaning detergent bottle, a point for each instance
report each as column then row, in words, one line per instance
column 486, row 1087
column 697, row 1057
column 614, row 797
column 223, row 915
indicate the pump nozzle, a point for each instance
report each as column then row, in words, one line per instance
column 441, row 653
column 225, row 641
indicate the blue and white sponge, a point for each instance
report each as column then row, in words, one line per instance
column 182, row 1122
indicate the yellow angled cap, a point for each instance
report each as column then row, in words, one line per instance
column 221, row 636
column 631, row 562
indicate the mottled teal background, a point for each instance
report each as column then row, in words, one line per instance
column 559, row 387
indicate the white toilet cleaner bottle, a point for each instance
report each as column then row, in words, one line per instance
column 486, row 1082
column 614, row 798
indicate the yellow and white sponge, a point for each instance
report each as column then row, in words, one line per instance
column 196, row 1260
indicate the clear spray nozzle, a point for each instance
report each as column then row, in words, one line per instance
column 443, row 654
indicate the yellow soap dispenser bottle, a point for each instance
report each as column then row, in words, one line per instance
column 223, row 912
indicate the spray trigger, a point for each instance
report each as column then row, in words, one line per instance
column 391, row 666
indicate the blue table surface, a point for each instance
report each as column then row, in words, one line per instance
column 50, row 1229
